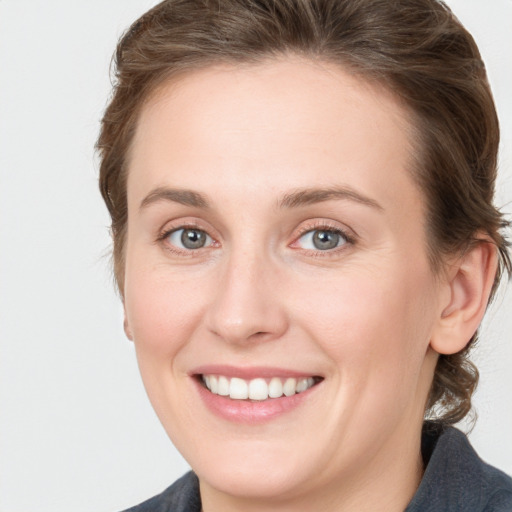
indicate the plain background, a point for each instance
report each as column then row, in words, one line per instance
column 76, row 429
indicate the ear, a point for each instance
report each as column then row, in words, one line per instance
column 126, row 325
column 466, row 287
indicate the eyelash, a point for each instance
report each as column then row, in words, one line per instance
column 176, row 250
column 326, row 226
column 317, row 226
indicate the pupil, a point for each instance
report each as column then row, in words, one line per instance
column 193, row 239
column 326, row 239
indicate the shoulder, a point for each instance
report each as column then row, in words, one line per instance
column 501, row 501
column 181, row 496
column 456, row 478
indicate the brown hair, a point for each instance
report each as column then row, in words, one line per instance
column 415, row 48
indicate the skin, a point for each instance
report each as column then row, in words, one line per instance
column 366, row 316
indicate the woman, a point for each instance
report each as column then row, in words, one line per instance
column 305, row 244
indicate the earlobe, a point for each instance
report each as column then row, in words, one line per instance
column 126, row 326
column 468, row 286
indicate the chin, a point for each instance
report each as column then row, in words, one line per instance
column 252, row 469
column 265, row 481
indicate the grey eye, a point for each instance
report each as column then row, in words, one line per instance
column 189, row 238
column 322, row 240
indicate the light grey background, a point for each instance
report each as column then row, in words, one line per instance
column 76, row 430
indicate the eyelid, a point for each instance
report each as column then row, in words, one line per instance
column 181, row 224
column 172, row 235
column 325, row 225
column 313, row 225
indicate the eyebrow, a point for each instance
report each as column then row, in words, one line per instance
column 308, row 196
column 295, row 199
column 181, row 196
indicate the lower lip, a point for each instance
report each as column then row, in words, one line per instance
column 251, row 412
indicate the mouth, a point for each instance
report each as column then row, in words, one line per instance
column 259, row 389
column 254, row 395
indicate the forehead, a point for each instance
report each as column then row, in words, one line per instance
column 270, row 126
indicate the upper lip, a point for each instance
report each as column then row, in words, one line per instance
column 250, row 372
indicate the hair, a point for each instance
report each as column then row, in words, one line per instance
column 417, row 49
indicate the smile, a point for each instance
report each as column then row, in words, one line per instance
column 257, row 389
column 254, row 395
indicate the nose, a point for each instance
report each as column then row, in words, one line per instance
column 247, row 305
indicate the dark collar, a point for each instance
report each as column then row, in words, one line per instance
column 455, row 478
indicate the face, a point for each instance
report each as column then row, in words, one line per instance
column 276, row 254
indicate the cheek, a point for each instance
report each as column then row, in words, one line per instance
column 375, row 328
column 162, row 311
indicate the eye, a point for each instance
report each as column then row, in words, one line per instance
column 189, row 238
column 322, row 239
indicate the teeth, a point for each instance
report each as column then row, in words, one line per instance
column 238, row 389
column 214, row 384
column 256, row 389
column 290, row 386
column 302, row 385
column 275, row 388
column 223, row 386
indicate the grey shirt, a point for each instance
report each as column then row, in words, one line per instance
column 455, row 480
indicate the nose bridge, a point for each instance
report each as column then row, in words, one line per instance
column 246, row 305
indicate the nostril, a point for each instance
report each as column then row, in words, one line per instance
column 260, row 335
